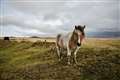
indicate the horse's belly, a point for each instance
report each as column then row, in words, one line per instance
column 64, row 45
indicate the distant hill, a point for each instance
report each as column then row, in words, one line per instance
column 88, row 34
column 103, row 34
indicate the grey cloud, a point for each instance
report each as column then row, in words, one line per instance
column 60, row 16
column 40, row 25
column 51, row 16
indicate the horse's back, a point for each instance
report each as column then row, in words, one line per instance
column 63, row 39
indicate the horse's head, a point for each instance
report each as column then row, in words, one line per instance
column 80, row 31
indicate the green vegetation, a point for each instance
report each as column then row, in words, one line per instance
column 98, row 59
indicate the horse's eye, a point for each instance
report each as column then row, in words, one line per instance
column 83, row 33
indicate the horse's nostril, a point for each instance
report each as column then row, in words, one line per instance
column 78, row 44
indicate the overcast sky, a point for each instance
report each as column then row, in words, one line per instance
column 50, row 17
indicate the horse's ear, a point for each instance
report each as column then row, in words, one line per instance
column 76, row 27
column 84, row 26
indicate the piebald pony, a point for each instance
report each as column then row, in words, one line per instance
column 70, row 41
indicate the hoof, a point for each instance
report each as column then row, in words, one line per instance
column 76, row 63
column 59, row 60
column 68, row 63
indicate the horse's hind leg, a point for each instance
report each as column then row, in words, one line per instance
column 58, row 52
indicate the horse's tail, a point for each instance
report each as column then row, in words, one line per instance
column 58, row 38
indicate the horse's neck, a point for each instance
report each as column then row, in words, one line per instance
column 74, row 37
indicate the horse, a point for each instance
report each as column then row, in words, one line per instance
column 70, row 41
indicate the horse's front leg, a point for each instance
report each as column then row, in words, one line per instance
column 75, row 60
column 68, row 55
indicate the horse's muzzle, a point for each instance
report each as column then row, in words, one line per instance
column 78, row 44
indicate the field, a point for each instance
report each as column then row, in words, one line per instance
column 98, row 59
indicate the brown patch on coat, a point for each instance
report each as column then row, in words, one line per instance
column 73, row 40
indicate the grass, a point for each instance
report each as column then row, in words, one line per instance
column 98, row 59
